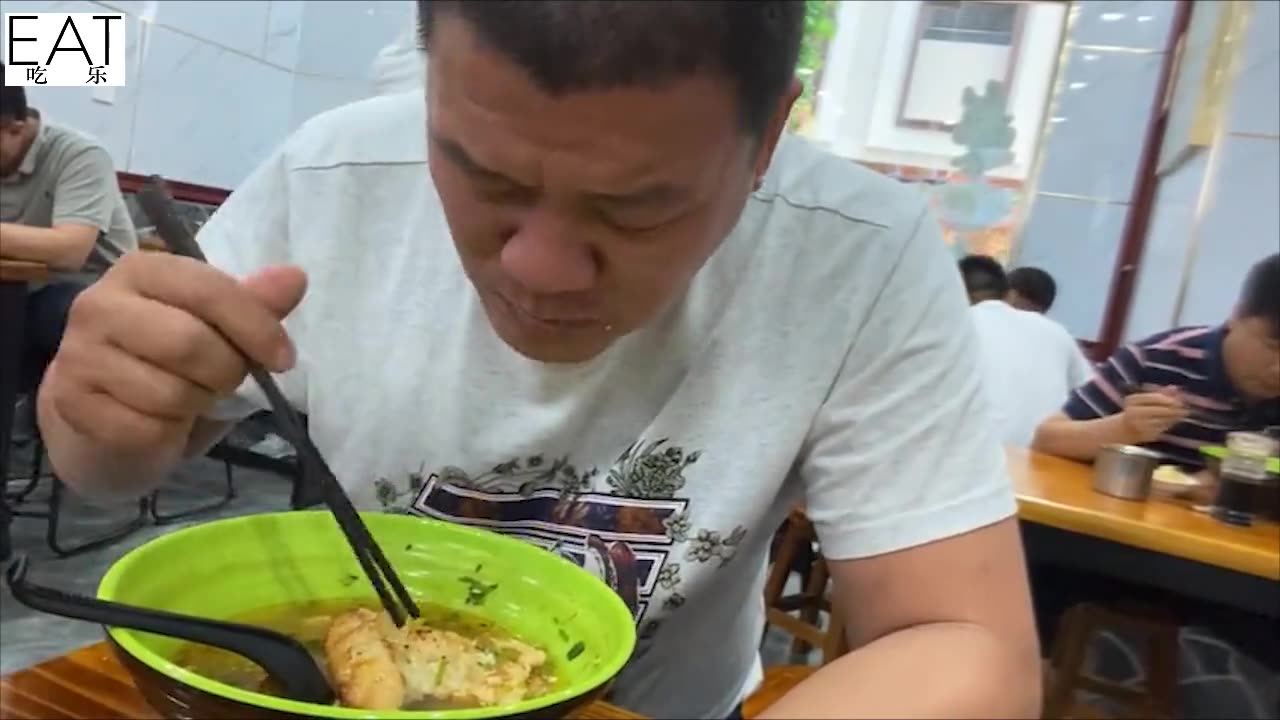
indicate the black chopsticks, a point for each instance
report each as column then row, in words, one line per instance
column 159, row 207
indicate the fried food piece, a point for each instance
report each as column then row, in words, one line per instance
column 375, row 664
column 464, row 671
column 361, row 665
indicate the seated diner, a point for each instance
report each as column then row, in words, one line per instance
column 1182, row 389
column 644, row 360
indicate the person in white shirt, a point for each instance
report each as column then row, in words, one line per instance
column 1030, row 363
column 400, row 66
column 1032, row 289
column 587, row 286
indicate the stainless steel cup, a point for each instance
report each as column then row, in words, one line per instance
column 1125, row 471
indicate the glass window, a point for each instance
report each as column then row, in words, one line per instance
column 949, row 95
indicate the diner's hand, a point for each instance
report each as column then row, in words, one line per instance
column 1148, row 415
column 148, row 350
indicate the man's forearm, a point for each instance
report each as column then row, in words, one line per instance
column 61, row 248
column 943, row 670
column 1080, row 439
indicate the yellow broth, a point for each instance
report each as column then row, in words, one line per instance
column 309, row 622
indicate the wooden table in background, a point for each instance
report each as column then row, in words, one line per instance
column 90, row 684
column 1158, row 542
column 1059, row 493
column 22, row 271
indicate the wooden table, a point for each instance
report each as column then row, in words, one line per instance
column 15, row 275
column 1058, row 493
column 1157, row 543
column 22, row 271
column 90, row 684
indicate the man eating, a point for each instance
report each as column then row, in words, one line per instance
column 585, row 292
column 1184, row 388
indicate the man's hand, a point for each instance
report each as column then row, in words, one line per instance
column 148, row 350
column 1148, row 415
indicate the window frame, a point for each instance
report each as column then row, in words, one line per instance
column 921, row 26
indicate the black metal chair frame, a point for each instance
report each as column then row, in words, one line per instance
column 52, row 514
column 228, row 454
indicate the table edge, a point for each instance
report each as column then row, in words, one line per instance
column 1196, row 548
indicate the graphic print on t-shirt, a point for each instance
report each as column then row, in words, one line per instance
column 628, row 532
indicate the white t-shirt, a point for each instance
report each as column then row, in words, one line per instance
column 821, row 356
column 1031, row 365
column 400, row 66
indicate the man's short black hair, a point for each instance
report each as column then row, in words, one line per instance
column 1034, row 284
column 984, row 278
column 1261, row 294
column 579, row 45
column 13, row 101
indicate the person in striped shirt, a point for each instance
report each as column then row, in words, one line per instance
column 1184, row 388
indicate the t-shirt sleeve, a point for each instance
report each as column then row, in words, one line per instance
column 248, row 232
column 904, row 452
column 1103, row 395
column 1080, row 370
column 86, row 191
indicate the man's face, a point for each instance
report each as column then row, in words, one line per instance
column 1252, row 354
column 13, row 143
column 581, row 218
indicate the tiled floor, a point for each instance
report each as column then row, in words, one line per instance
column 27, row 637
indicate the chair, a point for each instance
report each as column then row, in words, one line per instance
column 234, row 453
column 1080, row 624
column 52, row 512
column 796, row 541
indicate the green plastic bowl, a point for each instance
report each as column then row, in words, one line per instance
column 226, row 568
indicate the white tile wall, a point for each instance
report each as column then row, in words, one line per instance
column 1240, row 227
column 213, row 86
column 1075, row 240
column 111, row 124
column 206, row 114
column 312, row 95
column 1140, row 24
column 235, row 25
column 1240, row 221
column 1099, row 125
column 1168, row 244
column 1255, row 102
column 341, row 37
column 284, row 33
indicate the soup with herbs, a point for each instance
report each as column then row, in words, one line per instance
column 442, row 660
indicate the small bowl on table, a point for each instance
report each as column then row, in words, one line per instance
column 231, row 568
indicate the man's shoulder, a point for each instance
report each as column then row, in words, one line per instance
column 805, row 180
column 1180, row 340
column 68, row 142
column 382, row 130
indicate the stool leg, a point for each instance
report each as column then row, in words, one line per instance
column 836, row 642
column 811, row 613
column 162, row 519
column 792, row 538
column 1162, row 672
column 1069, row 652
column 781, row 568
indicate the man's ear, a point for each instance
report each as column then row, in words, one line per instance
column 777, row 124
